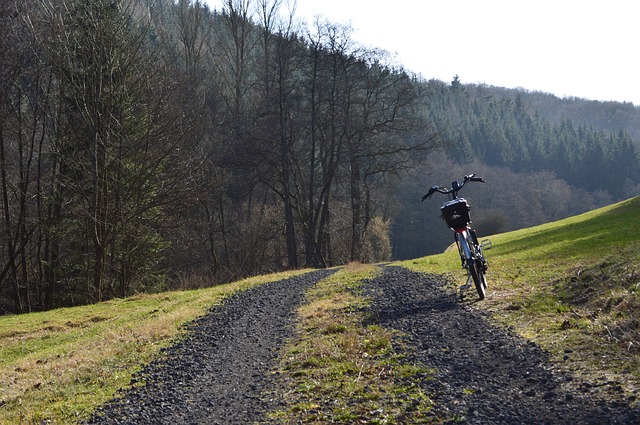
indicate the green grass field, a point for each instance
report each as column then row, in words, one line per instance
column 571, row 286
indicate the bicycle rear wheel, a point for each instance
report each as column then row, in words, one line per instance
column 477, row 274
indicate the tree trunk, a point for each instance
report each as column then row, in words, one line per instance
column 356, row 207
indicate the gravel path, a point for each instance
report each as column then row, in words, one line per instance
column 484, row 375
column 216, row 374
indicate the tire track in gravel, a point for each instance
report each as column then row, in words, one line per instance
column 215, row 375
column 483, row 374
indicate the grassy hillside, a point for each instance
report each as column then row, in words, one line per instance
column 572, row 286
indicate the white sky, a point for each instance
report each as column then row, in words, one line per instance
column 583, row 48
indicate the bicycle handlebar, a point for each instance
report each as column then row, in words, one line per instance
column 455, row 187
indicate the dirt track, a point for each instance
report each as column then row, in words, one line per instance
column 483, row 374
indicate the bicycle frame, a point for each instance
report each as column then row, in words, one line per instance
column 461, row 237
column 462, row 240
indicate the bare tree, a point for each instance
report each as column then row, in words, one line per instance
column 120, row 122
column 326, row 87
column 387, row 137
column 22, row 88
column 236, row 45
column 193, row 32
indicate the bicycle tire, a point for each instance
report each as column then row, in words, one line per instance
column 474, row 264
column 478, row 279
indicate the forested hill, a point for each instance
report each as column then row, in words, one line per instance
column 157, row 144
column 545, row 158
column 602, row 115
column 588, row 144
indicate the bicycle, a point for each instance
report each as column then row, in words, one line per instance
column 455, row 213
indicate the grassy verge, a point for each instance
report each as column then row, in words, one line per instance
column 58, row 366
column 572, row 286
column 340, row 368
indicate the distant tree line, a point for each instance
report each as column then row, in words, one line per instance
column 506, row 132
column 602, row 115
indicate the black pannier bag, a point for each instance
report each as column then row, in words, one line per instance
column 456, row 213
